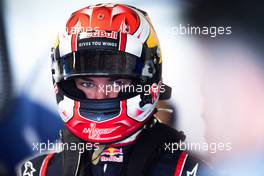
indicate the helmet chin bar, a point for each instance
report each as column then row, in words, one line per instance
column 108, row 130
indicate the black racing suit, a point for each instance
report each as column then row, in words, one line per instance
column 150, row 155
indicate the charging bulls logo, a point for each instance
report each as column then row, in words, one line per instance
column 112, row 155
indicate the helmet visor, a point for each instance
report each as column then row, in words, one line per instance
column 101, row 63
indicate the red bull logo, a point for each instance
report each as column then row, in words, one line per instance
column 112, row 155
column 98, row 33
column 112, row 151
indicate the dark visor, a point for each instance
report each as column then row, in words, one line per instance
column 106, row 63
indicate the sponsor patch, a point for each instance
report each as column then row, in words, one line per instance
column 95, row 133
column 112, row 155
column 28, row 169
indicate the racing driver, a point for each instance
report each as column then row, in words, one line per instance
column 101, row 65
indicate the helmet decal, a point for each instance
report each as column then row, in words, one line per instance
column 65, row 108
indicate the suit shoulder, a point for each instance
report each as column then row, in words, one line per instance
column 40, row 163
column 179, row 163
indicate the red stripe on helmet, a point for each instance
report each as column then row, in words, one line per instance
column 123, row 40
column 74, row 42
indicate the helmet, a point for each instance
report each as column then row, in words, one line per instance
column 111, row 40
